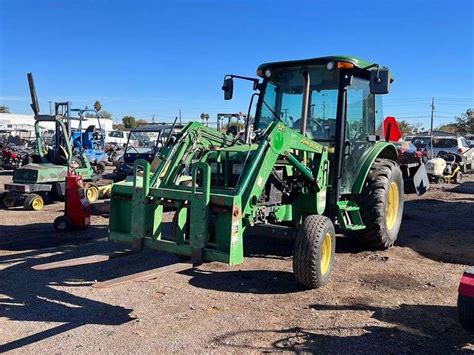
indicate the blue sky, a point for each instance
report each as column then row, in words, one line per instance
column 144, row 58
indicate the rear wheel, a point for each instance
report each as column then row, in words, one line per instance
column 314, row 254
column 33, row 202
column 381, row 205
column 99, row 168
column 62, row 224
column 8, row 200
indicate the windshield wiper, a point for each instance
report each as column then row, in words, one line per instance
column 274, row 114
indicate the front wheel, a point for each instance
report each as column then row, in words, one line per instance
column 381, row 205
column 314, row 254
column 33, row 202
column 92, row 192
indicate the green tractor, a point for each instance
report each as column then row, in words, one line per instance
column 44, row 179
column 309, row 159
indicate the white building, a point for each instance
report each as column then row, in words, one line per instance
column 16, row 119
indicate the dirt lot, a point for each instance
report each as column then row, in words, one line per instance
column 399, row 301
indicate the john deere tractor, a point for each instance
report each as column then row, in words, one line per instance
column 309, row 160
column 44, row 179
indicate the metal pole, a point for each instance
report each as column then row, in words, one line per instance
column 431, row 129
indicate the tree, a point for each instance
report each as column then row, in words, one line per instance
column 4, row 109
column 105, row 114
column 141, row 123
column 97, row 106
column 405, row 127
column 465, row 122
column 205, row 117
column 118, row 126
column 129, row 122
column 449, row 127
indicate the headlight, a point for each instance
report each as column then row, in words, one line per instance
column 330, row 65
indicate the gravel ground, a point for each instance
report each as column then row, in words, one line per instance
column 398, row 301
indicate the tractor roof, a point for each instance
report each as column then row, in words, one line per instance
column 359, row 63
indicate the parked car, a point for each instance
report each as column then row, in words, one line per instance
column 456, row 145
column 117, row 137
column 470, row 140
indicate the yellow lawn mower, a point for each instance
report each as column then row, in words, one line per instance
column 445, row 168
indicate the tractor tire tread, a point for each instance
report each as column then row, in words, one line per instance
column 372, row 204
column 307, row 254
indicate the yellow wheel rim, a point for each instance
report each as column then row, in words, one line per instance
column 326, row 250
column 37, row 204
column 92, row 194
column 393, row 201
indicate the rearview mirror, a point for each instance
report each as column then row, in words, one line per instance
column 228, row 88
column 380, row 81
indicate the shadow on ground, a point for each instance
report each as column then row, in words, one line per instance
column 439, row 230
column 406, row 329
column 32, row 296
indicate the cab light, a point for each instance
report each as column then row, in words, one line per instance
column 260, row 72
column 344, row 65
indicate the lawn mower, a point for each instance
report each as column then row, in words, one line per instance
column 90, row 142
column 44, row 179
column 446, row 167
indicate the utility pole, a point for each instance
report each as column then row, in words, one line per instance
column 180, row 116
column 153, row 119
column 431, row 129
column 50, row 109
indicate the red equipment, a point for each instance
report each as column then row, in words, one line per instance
column 466, row 298
column 77, row 213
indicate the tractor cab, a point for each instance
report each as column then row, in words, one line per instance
column 335, row 101
column 331, row 100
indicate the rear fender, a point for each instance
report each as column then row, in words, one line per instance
column 380, row 150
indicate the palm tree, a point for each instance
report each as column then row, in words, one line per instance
column 4, row 109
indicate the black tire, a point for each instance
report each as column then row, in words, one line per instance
column 382, row 227
column 8, row 200
column 100, row 168
column 466, row 311
column 33, row 202
column 62, row 224
column 311, row 267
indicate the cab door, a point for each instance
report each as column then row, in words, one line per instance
column 360, row 124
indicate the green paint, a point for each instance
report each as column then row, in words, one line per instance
column 379, row 149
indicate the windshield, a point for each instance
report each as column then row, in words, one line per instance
column 284, row 96
column 143, row 142
column 420, row 141
column 445, row 143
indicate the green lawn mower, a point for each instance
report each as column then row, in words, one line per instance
column 44, row 179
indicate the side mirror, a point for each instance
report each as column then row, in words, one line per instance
column 228, row 88
column 380, row 81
